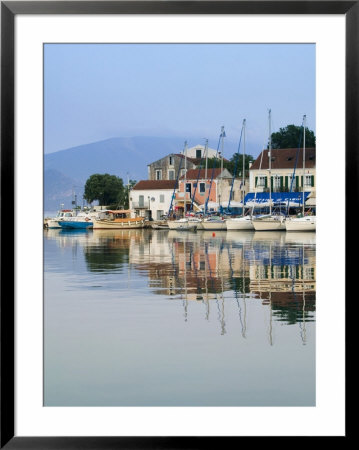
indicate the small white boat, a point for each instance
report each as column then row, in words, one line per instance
column 159, row 225
column 269, row 223
column 240, row 223
column 184, row 224
column 61, row 215
column 306, row 223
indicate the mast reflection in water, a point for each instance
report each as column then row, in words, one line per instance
column 168, row 318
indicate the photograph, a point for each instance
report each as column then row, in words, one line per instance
column 179, row 224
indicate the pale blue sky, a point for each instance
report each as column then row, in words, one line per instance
column 98, row 91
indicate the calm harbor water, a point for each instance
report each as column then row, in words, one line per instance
column 168, row 318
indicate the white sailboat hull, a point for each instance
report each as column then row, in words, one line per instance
column 182, row 225
column 307, row 223
column 214, row 225
column 269, row 224
column 240, row 223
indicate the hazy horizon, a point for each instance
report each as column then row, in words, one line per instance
column 95, row 92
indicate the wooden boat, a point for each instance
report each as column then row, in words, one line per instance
column 117, row 219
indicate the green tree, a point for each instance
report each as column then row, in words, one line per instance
column 107, row 189
column 129, row 186
column 235, row 164
column 292, row 137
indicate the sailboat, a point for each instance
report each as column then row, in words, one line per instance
column 215, row 222
column 269, row 222
column 303, row 223
column 244, row 222
column 186, row 223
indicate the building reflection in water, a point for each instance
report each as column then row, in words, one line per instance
column 275, row 268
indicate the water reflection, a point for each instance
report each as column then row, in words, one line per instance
column 275, row 268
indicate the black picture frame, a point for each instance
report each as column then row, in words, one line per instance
column 9, row 9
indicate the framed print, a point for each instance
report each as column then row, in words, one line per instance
column 165, row 279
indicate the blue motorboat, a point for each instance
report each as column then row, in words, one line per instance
column 77, row 223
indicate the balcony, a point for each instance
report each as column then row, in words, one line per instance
column 180, row 196
column 140, row 205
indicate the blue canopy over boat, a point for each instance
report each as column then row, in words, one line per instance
column 294, row 198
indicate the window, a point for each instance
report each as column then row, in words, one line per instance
column 262, row 181
column 183, row 171
column 171, row 160
column 171, row 174
column 162, row 198
column 158, row 174
column 202, row 187
column 198, row 153
column 309, row 181
column 276, row 182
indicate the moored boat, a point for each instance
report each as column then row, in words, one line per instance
column 240, row 223
column 117, row 219
column 76, row 223
column 306, row 223
column 160, row 225
column 214, row 223
column 269, row 223
column 184, row 224
column 63, row 214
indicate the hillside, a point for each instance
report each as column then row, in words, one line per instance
column 68, row 170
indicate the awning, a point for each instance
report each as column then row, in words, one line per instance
column 277, row 198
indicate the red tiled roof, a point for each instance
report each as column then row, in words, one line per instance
column 284, row 158
column 193, row 174
column 154, row 184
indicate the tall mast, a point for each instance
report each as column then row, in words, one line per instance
column 223, row 134
column 270, row 163
column 185, row 178
column 206, row 152
column 304, row 121
column 243, row 168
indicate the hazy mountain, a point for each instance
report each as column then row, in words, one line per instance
column 68, row 170
column 117, row 156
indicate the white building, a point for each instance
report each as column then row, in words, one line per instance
column 198, row 152
column 152, row 198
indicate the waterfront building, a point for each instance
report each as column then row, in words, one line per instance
column 198, row 151
column 283, row 162
column 167, row 167
column 152, row 198
column 198, row 186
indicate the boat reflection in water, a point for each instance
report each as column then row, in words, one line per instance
column 148, row 317
column 277, row 269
